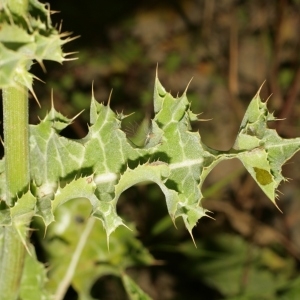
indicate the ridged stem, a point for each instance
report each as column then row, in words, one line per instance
column 16, row 149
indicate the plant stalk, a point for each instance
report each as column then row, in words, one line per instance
column 16, row 149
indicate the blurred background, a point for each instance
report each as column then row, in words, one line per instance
column 230, row 48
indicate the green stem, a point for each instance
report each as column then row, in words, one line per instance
column 16, row 149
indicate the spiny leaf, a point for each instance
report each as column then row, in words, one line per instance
column 262, row 150
column 133, row 290
column 53, row 157
column 63, row 239
column 21, row 215
column 79, row 188
column 103, row 164
column 26, row 36
column 33, row 279
column 156, row 172
column 184, row 152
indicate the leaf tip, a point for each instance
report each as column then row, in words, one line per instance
column 274, row 202
column 21, row 230
column 93, row 95
column 107, row 242
column 34, row 95
column 191, row 234
column 109, row 98
column 277, row 207
column 52, row 100
column 268, row 98
column 188, row 85
column 69, row 53
column 209, row 215
column 77, row 115
column 259, row 90
column 173, row 220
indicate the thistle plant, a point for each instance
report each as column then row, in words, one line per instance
column 42, row 170
column 26, row 36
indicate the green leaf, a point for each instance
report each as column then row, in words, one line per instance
column 262, row 150
column 27, row 35
column 21, row 215
column 156, row 172
column 63, row 243
column 83, row 187
column 53, row 157
column 133, row 290
column 34, row 279
column 224, row 259
column 188, row 159
column 105, row 163
column 79, row 188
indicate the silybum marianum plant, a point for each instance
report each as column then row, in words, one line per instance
column 26, row 35
column 105, row 163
